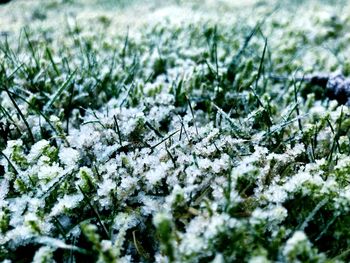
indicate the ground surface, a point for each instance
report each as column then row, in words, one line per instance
column 143, row 131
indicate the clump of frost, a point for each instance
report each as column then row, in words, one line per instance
column 68, row 156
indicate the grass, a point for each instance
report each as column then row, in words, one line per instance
column 151, row 137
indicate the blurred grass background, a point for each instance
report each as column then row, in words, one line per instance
column 43, row 15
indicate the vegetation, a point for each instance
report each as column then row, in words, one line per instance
column 162, row 134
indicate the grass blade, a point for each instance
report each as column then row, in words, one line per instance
column 58, row 93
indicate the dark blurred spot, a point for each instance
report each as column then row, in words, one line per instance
column 2, row 171
column 319, row 80
column 159, row 67
column 231, row 73
column 4, row 34
column 4, row 1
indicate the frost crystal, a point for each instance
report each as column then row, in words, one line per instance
column 69, row 156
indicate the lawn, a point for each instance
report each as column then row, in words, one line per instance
column 174, row 131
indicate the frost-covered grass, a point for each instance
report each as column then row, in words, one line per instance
column 153, row 132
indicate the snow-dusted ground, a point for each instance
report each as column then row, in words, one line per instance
column 152, row 131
